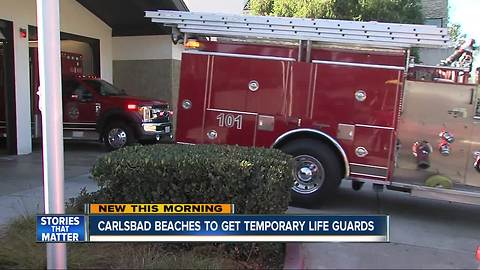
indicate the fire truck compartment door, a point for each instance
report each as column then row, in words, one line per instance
column 473, row 164
column 370, row 155
column 355, row 94
column 249, row 85
column 229, row 127
column 430, row 108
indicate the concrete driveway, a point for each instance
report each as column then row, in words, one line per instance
column 21, row 184
column 425, row 234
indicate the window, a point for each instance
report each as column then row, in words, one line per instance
column 68, row 86
column 104, row 88
column 72, row 88
column 434, row 21
column 83, row 94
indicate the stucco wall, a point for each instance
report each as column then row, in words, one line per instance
column 144, row 78
column 143, row 66
column 75, row 19
column 148, row 66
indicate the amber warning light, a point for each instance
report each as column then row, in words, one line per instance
column 159, row 209
column 192, row 44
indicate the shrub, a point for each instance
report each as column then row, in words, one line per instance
column 256, row 180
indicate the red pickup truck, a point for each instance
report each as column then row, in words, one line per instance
column 95, row 109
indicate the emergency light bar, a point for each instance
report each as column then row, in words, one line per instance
column 286, row 28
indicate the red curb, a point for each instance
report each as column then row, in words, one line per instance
column 294, row 257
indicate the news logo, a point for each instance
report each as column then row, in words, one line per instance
column 61, row 228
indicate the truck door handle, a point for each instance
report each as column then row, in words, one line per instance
column 472, row 96
column 294, row 121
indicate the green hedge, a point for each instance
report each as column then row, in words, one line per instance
column 256, row 180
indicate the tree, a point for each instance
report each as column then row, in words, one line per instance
column 455, row 32
column 398, row 11
column 261, row 7
column 394, row 11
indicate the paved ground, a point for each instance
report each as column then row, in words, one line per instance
column 424, row 233
column 21, row 186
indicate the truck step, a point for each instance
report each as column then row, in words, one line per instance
column 459, row 194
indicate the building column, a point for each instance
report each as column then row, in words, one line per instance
column 22, row 90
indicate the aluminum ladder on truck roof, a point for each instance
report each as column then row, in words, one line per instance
column 284, row 28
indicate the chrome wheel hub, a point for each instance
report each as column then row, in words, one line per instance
column 309, row 174
column 305, row 174
column 117, row 137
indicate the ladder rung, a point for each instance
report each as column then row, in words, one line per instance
column 325, row 38
column 303, row 31
column 338, row 31
column 265, row 20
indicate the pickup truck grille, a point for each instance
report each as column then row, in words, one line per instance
column 157, row 114
column 163, row 107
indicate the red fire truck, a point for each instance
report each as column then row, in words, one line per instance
column 336, row 96
column 94, row 109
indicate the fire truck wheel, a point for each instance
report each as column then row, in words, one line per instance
column 118, row 135
column 317, row 171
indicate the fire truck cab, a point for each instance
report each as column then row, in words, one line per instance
column 336, row 95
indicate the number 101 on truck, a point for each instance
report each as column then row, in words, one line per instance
column 340, row 96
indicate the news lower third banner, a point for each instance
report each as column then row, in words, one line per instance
column 131, row 223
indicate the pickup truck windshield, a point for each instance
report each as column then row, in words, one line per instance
column 104, row 88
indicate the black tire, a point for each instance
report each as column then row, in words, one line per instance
column 117, row 130
column 306, row 193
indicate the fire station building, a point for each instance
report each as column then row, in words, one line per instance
column 109, row 39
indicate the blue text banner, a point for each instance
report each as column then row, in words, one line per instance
column 238, row 228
